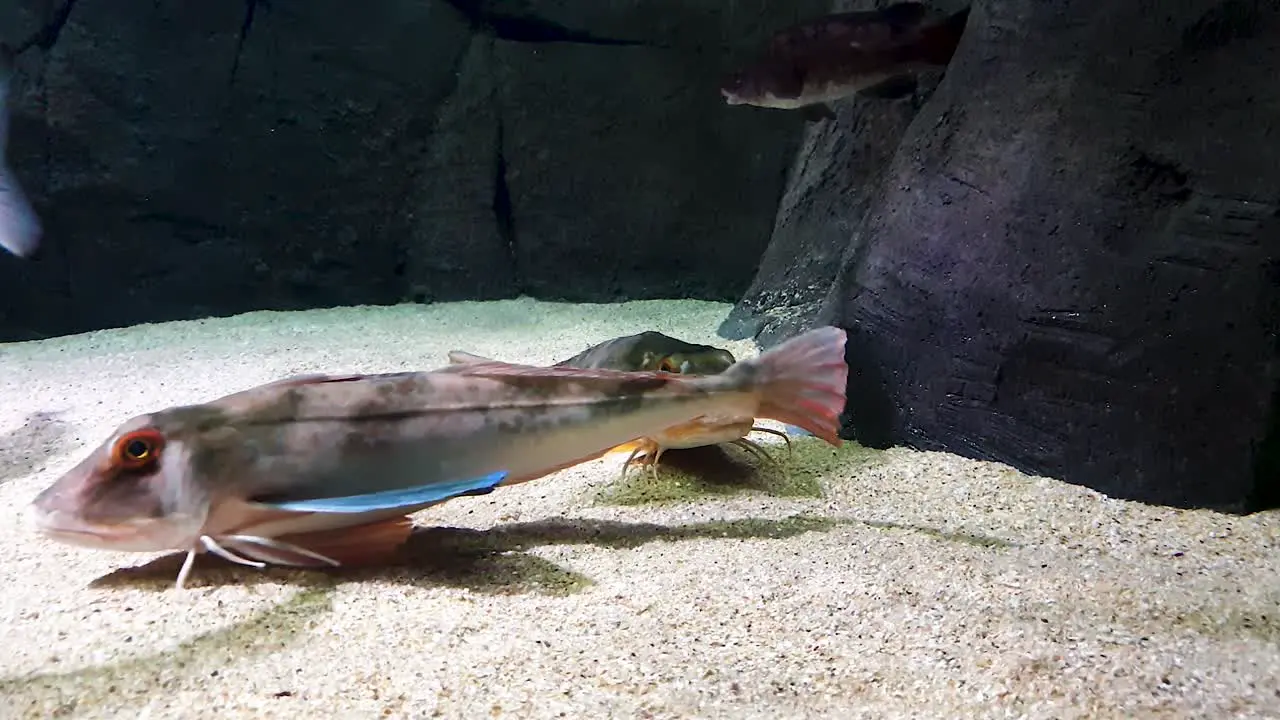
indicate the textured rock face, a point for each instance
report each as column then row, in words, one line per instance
column 1069, row 261
column 408, row 150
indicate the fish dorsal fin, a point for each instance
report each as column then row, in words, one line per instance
column 392, row 499
column 497, row 369
column 460, row 357
column 311, row 379
column 904, row 15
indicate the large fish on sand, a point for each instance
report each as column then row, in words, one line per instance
column 833, row 57
column 654, row 351
column 19, row 226
column 323, row 470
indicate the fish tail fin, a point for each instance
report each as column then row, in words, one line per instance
column 20, row 229
column 938, row 42
column 803, row 382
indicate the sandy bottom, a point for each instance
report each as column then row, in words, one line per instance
column 848, row 584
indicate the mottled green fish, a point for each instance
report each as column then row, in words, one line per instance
column 323, row 470
column 647, row 351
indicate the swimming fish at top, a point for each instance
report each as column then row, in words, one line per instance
column 19, row 226
column 323, row 470
column 871, row 51
column 654, row 351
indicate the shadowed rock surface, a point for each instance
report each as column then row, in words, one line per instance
column 1067, row 263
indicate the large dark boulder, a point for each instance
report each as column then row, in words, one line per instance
column 1069, row 263
column 191, row 159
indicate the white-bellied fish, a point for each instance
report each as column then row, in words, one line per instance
column 323, row 470
column 19, row 225
column 654, row 351
column 817, row 62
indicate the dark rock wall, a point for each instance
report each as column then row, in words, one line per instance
column 190, row 160
column 1069, row 262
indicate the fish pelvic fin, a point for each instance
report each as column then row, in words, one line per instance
column 392, row 499
column 817, row 113
column 938, row 42
column 627, row 446
column 803, row 382
column 375, row 543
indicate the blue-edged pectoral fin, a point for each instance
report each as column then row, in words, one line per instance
column 392, row 499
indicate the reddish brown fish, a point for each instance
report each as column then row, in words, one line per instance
column 322, row 470
column 835, row 56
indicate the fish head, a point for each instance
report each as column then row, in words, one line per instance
column 134, row 492
column 705, row 360
column 765, row 83
column 739, row 87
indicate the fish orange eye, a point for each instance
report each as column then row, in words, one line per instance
column 667, row 365
column 138, row 449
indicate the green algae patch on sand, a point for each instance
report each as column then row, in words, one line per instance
column 133, row 683
column 762, row 529
column 1234, row 623
column 964, row 538
column 511, row 573
column 725, row 470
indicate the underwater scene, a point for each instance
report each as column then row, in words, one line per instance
column 639, row 359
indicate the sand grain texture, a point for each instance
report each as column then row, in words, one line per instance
column 910, row 585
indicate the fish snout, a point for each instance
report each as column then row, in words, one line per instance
column 32, row 519
column 137, row 536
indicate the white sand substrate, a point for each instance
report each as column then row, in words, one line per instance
column 907, row 584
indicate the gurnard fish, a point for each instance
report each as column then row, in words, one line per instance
column 19, row 225
column 876, row 52
column 654, row 351
column 323, row 470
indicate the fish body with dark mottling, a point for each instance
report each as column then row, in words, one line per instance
column 838, row 55
column 19, row 225
column 654, row 351
column 323, row 470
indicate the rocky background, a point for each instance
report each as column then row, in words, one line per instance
column 195, row 159
column 1059, row 254
column 1065, row 257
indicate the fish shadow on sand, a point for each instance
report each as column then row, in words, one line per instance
column 25, row 450
column 495, row 561
column 492, row 561
column 709, row 471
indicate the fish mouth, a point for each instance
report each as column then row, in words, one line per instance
column 58, row 526
column 730, row 97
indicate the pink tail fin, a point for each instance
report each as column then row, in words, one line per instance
column 803, row 382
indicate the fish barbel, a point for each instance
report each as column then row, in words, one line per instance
column 323, row 470
column 19, row 225
column 652, row 350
